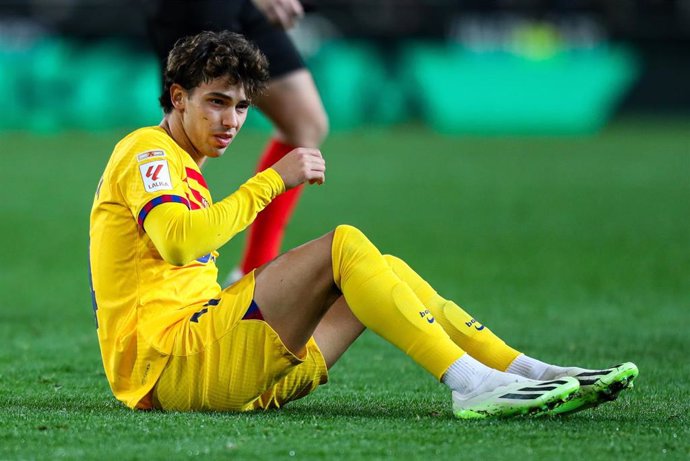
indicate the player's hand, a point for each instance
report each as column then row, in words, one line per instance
column 301, row 165
column 284, row 13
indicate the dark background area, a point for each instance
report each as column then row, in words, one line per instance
column 659, row 30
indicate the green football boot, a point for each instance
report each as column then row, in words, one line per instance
column 527, row 397
column 597, row 386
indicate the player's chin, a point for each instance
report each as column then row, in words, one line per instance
column 215, row 151
column 218, row 148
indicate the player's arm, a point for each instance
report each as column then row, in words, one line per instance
column 182, row 235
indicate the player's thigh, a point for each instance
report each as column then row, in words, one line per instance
column 291, row 101
column 296, row 289
column 293, row 104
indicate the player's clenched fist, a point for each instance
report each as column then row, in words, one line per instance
column 301, row 165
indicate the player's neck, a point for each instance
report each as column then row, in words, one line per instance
column 173, row 127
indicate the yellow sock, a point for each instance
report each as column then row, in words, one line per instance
column 472, row 336
column 386, row 305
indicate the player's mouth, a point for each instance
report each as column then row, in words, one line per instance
column 223, row 140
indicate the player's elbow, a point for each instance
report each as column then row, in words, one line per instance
column 177, row 255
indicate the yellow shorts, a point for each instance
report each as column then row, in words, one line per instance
column 224, row 359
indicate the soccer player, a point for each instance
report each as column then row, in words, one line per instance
column 291, row 101
column 172, row 339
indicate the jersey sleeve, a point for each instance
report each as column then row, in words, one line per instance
column 152, row 182
column 182, row 235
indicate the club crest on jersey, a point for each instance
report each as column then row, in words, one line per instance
column 156, row 176
column 150, row 154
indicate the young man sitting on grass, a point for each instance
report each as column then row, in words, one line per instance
column 172, row 339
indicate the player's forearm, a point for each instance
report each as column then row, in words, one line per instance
column 183, row 235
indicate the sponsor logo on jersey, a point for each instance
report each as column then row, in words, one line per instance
column 150, row 154
column 156, row 176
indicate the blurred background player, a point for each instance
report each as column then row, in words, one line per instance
column 291, row 101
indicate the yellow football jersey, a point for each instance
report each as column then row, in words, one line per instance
column 138, row 297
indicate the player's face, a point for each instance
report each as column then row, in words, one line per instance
column 212, row 116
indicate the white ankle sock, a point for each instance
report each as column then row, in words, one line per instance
column 468, row 376
column 534, row 369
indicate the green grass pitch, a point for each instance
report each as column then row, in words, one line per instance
column 575, row 250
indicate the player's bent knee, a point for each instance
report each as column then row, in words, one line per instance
column 392, row 260
column 398, row 265
column 310, row 129
column 314, row 121
column 320, row 125
column 348, row 244
column 295, row 108
column 346, row 231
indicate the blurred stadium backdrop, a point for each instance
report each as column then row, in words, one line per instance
column 530, row 158
column 495, row 66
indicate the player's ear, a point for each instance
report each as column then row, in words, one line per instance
column 178, row 96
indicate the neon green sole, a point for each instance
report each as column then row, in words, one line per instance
column 509, row 411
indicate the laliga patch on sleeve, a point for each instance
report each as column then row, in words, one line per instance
column 156, row 176
column 149, row 154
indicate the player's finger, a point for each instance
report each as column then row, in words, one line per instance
column 314, row 154
column 315, row 157
column 318, row 179
column 317, row 166
column 316, row 171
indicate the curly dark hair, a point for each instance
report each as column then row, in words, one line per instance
column 210, row 55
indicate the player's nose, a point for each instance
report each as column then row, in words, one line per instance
column 230, row 118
